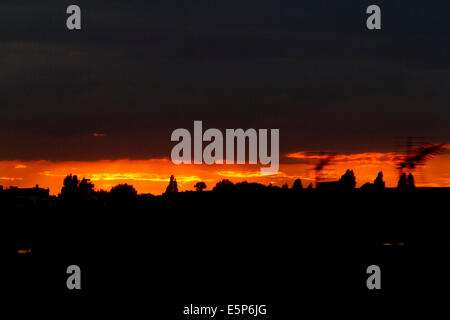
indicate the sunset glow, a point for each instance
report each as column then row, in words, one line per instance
column 152, row 175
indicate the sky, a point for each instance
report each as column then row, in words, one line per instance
column 102, row 102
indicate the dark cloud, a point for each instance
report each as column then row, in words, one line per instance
column 139, row 69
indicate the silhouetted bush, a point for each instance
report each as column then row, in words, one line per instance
column 223, row 186
column 123, row 193
column 246, row 187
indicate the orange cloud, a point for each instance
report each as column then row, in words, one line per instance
column 10, row 178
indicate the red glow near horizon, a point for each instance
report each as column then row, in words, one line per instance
column 152, row 175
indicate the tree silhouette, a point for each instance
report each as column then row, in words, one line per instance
column 74, row 188
column 245, row 187
column 379, row 183
column 70, row 185
column 410, row 182
column 348, row 180
column 123, row 192
column 297, row 186
column 86, row 187
column 200, row 186
column 367, row 186
column 402, row 184
column 224, row 186
column 173, row 186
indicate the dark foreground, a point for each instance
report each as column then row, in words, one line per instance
column 292, row 251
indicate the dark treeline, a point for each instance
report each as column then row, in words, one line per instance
column 79, row 189
column 76, row 191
